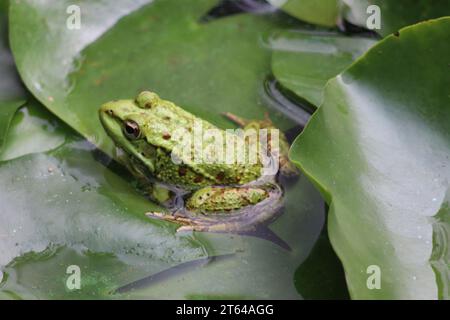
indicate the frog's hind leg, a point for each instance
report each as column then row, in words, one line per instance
column 287, row 168
column 249, row 123
column 203, row 224
column 225, row 209
column 207, row 227
column 170, row 217
column 236, row 119
column 216, row 198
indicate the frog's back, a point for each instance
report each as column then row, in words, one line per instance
column 186, row 142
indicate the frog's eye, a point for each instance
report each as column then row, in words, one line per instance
column 131, row 130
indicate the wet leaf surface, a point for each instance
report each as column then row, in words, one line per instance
column 378, row 149
column 304, row 61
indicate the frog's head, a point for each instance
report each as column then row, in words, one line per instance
column 126, row 122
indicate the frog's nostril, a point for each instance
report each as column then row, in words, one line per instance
column 107, row 111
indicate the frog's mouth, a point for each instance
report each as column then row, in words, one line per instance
column 113, row 126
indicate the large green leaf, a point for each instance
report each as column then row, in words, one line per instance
column 12, row 95
column 323, row 12
column 7, row 110
column 67, row 198
column 321, row 260
column 303, row 61
column 379, row 149
column 394, row 14
column 33, row 129
column 162, row 47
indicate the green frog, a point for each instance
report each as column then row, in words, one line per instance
column 154, row 137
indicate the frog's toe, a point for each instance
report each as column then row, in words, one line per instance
column 158, row 215
column 193, row 227
column 171, row 218
column 218, row 227
column 236, row 119
column 186, row 228
column 162, row 216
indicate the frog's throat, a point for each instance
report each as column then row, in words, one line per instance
column 113, row 128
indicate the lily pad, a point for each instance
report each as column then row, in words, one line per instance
column 7, row 111
column 303, row 61
column 12, row 94
column 33, row 129
column 321, row 260
column 84, row 206
column 394, row 14
column 323, row 12
column 378, row 149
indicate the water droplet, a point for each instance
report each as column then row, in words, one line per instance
column 38, row 87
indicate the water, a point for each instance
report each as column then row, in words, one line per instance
column 231, row 7
column 278, row 100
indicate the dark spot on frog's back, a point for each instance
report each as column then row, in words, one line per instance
column 397, row 34
column 182, row 171
column 198, row 179
column 220, row 176
column 166, row 136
